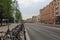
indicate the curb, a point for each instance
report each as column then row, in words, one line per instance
column 27, row 36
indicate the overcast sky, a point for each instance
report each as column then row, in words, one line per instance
column 31, row 7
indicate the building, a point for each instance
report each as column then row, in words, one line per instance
column 51, row 13
column 38, row 18
column 29, row 20
column 35, row 19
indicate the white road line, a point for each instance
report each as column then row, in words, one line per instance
column 53, row 34
column 27, row 35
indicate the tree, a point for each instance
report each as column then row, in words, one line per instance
column 8, row 8
column 5, row 9
column 1, row 13
column 18, row 15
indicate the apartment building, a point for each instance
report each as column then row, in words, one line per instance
column 51, row 13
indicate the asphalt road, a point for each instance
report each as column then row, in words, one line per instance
column 42, row 32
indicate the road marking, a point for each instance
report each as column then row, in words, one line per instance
column 53, row 34
column 27, row 35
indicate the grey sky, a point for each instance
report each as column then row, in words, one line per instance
column 31, row 7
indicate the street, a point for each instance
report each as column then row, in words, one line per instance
column 42, row 32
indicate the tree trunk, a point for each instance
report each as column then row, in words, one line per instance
column 1, row 21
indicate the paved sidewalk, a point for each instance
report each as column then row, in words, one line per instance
column 11, row 26
column 22, row 36
column 52, row 25
column 5, row 28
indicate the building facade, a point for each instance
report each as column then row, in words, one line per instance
column 29, row 20
column 35, row 19
column 51, row 13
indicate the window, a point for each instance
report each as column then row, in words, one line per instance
column 54, row 0
column 57, row 12
column 56, row 8
column 57, row 2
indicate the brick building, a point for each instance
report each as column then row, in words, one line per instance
column 51, row 13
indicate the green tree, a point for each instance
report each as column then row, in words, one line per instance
column 5, row 9
column 8, row 8
column 18, row 15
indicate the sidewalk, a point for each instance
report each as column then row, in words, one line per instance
column 13, row 25
column 52, row 25
column 5, row 28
